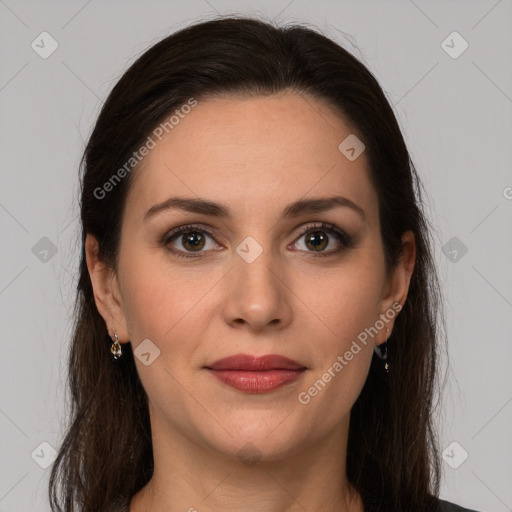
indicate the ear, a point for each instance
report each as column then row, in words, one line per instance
column 397, row 286
column 106, row 291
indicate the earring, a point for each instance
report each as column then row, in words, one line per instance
column 115, row 349
column 382, row 353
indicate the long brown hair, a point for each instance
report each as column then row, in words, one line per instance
column 106, row 455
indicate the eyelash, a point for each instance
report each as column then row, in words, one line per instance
column 346, row 240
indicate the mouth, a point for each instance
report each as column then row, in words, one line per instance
column 252, row 374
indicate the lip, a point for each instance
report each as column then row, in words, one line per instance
column 253, row 363
column 253, row 374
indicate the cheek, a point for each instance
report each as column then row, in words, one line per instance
column 339, row 320
column 171, row 308
column 346, row 302
column 164, row 307
column 338, row 374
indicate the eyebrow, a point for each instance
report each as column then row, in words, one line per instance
column 301, row 207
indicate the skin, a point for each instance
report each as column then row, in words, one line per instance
column 255, row 156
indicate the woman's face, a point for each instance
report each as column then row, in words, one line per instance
column 247, row 281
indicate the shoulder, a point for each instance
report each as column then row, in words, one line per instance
column 446, row 506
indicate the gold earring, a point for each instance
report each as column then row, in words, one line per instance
column 115, row 349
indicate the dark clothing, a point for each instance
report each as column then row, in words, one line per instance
column 446, row 506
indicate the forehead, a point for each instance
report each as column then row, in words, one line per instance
column 253, row 152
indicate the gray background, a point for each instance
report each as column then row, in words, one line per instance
column 456, row 117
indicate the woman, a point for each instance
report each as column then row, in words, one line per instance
column 252, row 244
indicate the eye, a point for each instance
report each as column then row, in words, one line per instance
column 319, row 237
column 191, row 238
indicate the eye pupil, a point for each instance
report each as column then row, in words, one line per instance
column 318, row 239
column 195, row 239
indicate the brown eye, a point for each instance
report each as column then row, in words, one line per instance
column 187, row 240
column 192, row 241
column 318, row 238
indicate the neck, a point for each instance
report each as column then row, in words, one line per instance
column 196, row 478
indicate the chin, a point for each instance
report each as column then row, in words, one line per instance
column 259, row 440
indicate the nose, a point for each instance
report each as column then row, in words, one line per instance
column 259, row 294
